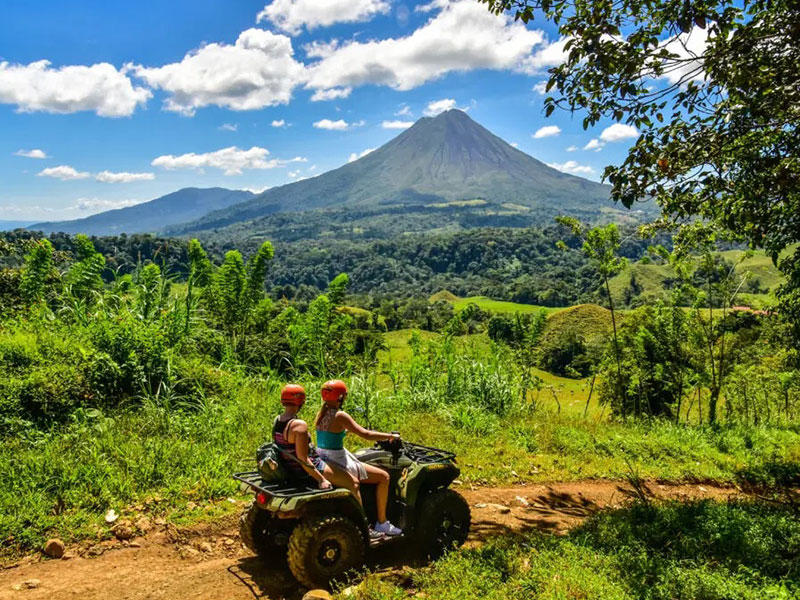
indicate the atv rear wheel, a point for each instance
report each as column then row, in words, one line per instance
column 323, row 549
column 263, row 533
column 443, row 523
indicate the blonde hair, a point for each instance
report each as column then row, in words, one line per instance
column 323, row 412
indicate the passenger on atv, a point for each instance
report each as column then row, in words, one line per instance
column 290, row 434
column 332, row 424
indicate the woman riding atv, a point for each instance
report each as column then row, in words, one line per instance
column 332, row 424
column 290, row 434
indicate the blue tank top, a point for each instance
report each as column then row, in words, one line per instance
column 329, row 440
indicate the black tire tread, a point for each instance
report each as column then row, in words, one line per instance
column 432, row 507
column 301, row 540
column 247, row 523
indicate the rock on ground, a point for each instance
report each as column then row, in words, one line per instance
column 54, row 548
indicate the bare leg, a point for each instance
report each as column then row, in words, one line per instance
column 341, row 478
column 381, row 478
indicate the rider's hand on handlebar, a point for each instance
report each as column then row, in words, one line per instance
column 394, row 437
column 325, row 484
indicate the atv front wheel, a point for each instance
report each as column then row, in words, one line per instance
column 443, row 523
column 323, row 549
column 264, row 534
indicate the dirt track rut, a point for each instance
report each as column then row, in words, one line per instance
column 208, row 562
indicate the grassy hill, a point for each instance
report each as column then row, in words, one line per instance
column 655, row 280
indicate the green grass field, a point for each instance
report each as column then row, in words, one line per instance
column 499, row 306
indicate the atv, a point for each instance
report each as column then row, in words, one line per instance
column 325, row 533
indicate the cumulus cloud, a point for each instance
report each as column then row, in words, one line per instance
column 292, row 15
column 550, row 55
column 100, row 88
column 355, row 156
column 231, row 160
column 439, row 106
column 540, row 88
column 63, row 172
column 338, row 125
column 228, row 127
column 35, row 153
column 403, row 111
column 546, row 131
column 331, row 94
column 99, row 204
column 258, row 70
column 462, row 36
column 279, row 123
column 594, row 144
column 571, row 148
column 123, row 177
column 572, row 167
column 618, row 132
column 397, row 124
column 685, row 47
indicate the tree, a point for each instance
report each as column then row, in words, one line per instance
column 712, row 88
column 37, row 271
column 601, row 247
column 199, row 274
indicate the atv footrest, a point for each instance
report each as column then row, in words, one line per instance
column 377, row 542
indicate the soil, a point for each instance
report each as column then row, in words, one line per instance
column 209, row 562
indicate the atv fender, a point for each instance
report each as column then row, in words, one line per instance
column 420, row 480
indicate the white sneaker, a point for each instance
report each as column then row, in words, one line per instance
column 387, row 528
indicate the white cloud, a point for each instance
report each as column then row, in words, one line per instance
column 618, row 132
column 571, row 148
column 232, row 160
column 572, row 167
column 331, row 94
column 546, row 131
column 228, row 127
column 100, row 88
column 258, row 70
column 279, row 123
column 514, row 144
column 35, row 153
column 551, row 55
column 397, row 124
column 540, row 88
column 292, row 15
column 294, row 174
column 123, row 177
column 98, row 204
column 339, row 125
column 355, row 156
column 686, row 46
column 439, row 106
column 404, row 111
column 462, row 36
column 594, row 144
column 257, row 190
column 63, row 172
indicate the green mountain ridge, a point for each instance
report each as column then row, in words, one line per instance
column 184, row 205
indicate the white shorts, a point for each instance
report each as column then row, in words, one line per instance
column 345, row 460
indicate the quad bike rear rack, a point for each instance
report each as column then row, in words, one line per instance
column 281, row 489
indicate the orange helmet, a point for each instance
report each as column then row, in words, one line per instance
column 334, row 391
column 293, row 394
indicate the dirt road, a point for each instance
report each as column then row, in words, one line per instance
column 209, row 563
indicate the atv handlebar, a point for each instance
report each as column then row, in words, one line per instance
column 393, row 445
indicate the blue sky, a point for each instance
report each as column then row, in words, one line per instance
column 137, row 100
